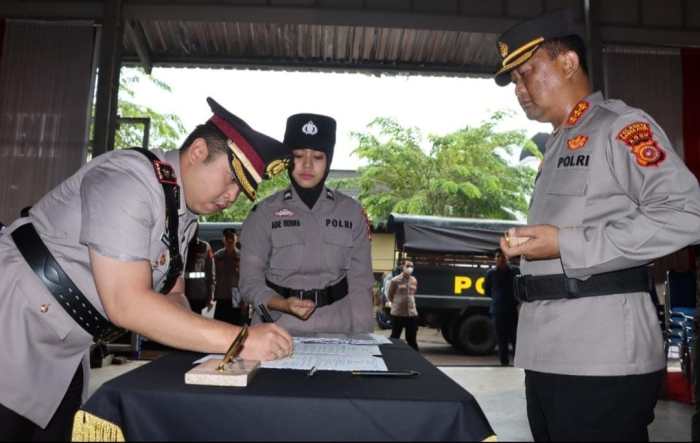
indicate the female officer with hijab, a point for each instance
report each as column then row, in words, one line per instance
column 305, row 251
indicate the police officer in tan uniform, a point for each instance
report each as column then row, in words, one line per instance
column 305, row 251
column 404, row 314
column 94, row 254
column 611, row 197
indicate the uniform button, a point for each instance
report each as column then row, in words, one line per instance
column 44, row 308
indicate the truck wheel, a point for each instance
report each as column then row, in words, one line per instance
column 446, row 330
column 449, row 330
column 476, row 335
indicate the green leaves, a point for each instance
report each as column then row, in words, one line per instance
column 464, row 174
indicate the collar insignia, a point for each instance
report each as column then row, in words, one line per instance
column 578, row 112
column 577, row 142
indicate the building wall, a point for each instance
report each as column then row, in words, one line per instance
column 382, row 252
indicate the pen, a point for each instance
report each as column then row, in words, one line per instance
column 311, row 372
column 406, row 373
column 234, row 349
column 265, row 314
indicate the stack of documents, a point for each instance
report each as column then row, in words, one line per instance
column 330, row 352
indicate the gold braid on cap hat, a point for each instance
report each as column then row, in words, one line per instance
column 277, row 166
column 242, row 179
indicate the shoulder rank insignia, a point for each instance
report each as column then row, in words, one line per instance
column 578, row 111
column 577, row 142
column 330, row 195
column 287, row 194
column 164, row 172
column 640, row 138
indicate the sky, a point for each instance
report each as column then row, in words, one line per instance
column 264, row 99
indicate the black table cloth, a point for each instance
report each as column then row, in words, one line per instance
column 154, row 403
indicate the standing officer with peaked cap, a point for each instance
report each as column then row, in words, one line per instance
column 305, row 251
column 94, row 254
column 611, row 197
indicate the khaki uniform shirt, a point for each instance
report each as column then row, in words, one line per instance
column 113, row 204
column 301, row 248
column 402, row 294
column 621, row 197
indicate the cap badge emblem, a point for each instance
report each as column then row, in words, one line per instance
column 309, row 128
column 503, row 49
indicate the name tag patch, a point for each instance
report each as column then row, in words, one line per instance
column 277, row 224
column 572, row 161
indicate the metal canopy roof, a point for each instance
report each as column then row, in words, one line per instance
column 442, row 36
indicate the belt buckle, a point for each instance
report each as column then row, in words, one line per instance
column 310, row 294
column 571, row 287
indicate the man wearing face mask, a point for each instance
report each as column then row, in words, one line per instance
column 402, row 295
column 305, row 251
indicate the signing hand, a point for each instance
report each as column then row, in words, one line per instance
column 267, row 341
column 542, row 242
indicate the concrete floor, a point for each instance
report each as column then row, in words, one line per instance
column 499, row 391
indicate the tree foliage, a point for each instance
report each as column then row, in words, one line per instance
column 166, row 129
column 240, row 209
column 465, row 173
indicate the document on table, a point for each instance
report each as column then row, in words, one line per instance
column 326, row 356
column 350, row 339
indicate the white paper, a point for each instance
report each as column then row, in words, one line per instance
column 329, row 352
column 324, row 362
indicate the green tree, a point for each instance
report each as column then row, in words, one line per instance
column 240, row 209
column 167, row 129
column 465, row 173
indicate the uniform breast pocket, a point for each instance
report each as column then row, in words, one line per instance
column 337, row 248
column 566, row 195
column 287, row 249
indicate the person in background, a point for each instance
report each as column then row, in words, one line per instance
column 402, row 295
column 504, row 308
column 229, row 307
column 200, row 274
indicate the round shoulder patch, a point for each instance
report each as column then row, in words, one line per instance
column 639, row 137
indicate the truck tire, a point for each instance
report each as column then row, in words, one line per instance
column 449, row 330
column 476, row 335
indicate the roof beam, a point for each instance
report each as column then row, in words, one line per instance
column 58, row 9
column 138, row 39
column 316, row 65
column 650, row 36
column 314, row 16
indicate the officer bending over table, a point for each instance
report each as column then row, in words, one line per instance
column 305, row 251
column 99, row 252
column 611, row 197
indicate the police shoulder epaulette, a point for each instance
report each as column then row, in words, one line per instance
column 288, row 194
column 330, row 194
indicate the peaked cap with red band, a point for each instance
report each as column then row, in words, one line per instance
column 254, row 155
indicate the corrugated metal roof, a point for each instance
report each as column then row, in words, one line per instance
column 213, row 44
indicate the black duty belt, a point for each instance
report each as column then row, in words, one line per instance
column 559, row 286
column 73, row 301
column 322, row 297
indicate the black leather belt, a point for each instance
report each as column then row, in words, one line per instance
column 71, row 299
column 322, row 297
column 559, row 286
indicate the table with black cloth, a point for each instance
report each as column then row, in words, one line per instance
column 154, row 403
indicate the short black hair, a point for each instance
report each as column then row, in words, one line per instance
column 216, row 140
column 228, row 232
column 559, row 45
